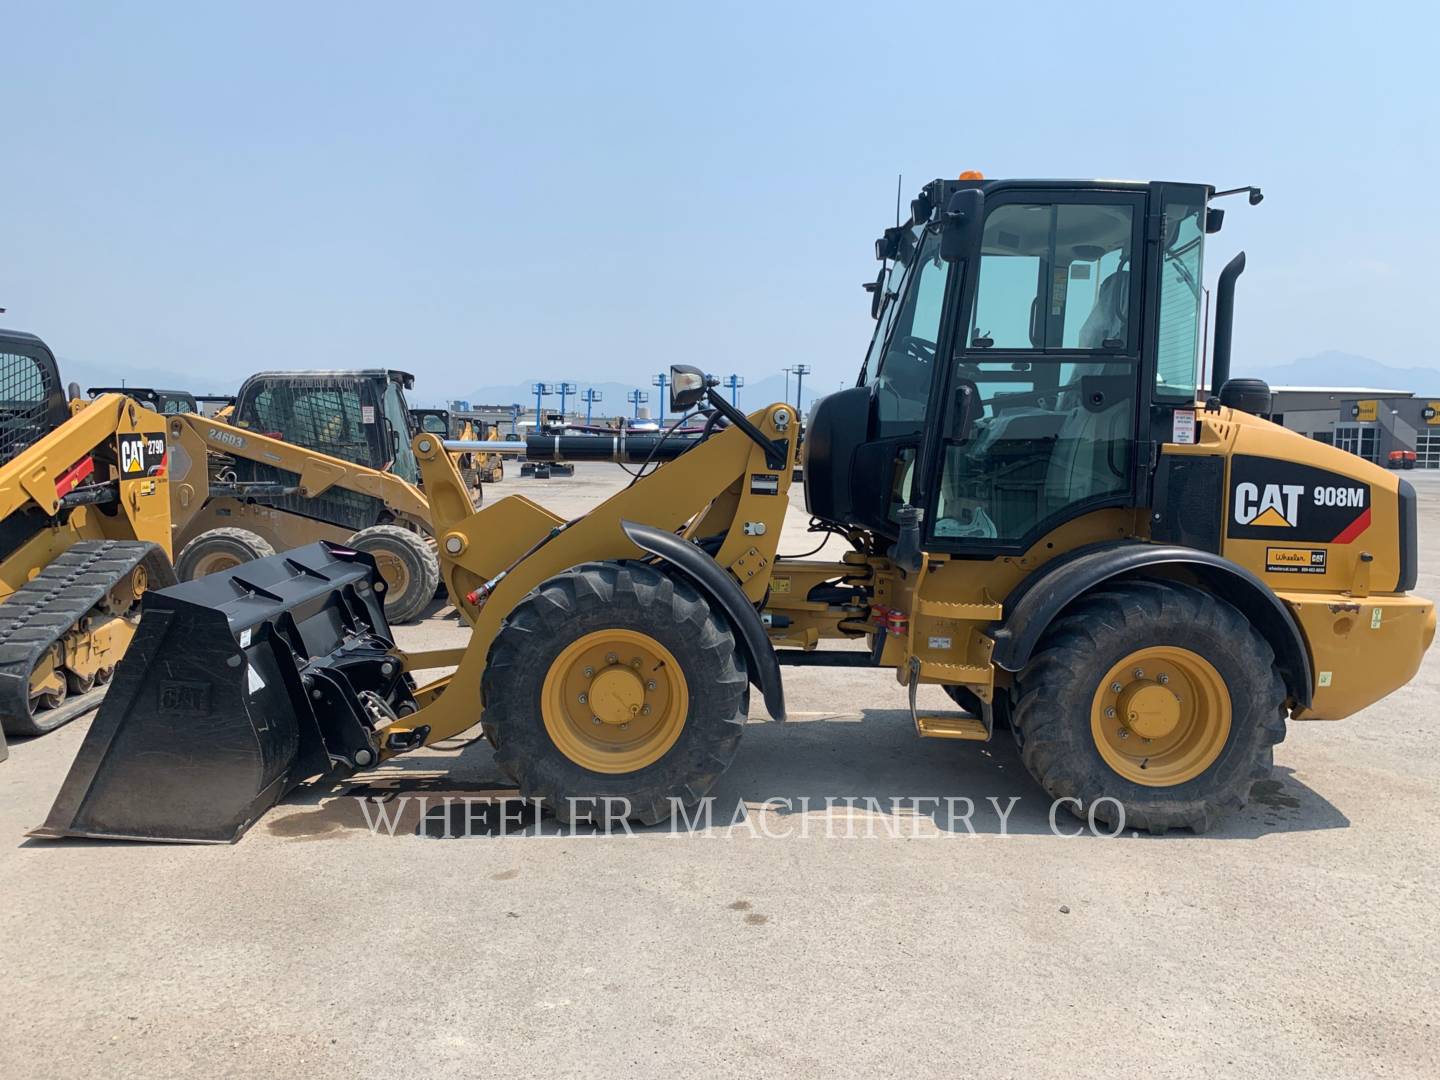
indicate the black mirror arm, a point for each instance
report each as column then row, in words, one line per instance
column 775, row 449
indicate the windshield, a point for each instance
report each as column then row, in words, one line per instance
column 907, row 365
column 893, row 285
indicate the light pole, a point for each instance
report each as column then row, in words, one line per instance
column 637, row 398
column 590, row 395
column 540, row 390
column 662, row 380
column 734, row 382
column 565, row 389
column 515, row 411
column 801, row 370
column 787, row 382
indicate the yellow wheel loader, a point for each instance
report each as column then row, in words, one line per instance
column 1042, row 512
column 306, row 456
column 477, row 469
column 84, row 531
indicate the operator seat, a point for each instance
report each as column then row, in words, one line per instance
column 1108, row 318
column 1091, row 457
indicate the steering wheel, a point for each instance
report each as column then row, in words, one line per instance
column 910, row 380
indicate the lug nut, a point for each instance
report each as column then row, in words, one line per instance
column 1110, row 714
column 1115, row 687
column 650, row 685
column 645, row 710
column 611, row 658
column 1163, row 680
column 589, row 673
column 624, row 727
column 584, row 698
column 595, row 719
column 1139, row 674
column 1123, row 733
column 635, row 663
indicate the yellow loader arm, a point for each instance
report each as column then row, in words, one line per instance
column 197, row 437
column 727, row 491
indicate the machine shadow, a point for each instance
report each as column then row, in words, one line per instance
column 848, row 773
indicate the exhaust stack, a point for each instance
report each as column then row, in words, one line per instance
column 1224, row 322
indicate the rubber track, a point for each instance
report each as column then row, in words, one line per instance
column 48, row 607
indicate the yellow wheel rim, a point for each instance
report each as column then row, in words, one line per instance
column 392, row 568
column 614, row 701
column 1161, row 716
column 214, row 563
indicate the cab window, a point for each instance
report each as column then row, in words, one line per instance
column 397, row 428
column 327, row 419
column 1180, row 299
column 908, row 362
column 1055, row 277
column 1051, row 438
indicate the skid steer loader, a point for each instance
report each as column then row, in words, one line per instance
column 1043, row 513
column 306, row 456
column 84, row 530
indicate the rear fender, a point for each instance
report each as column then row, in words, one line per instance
column 1034, row 605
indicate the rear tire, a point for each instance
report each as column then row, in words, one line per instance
column 1211, row 678
column 407, row 563
column 220, row 549
column 557, row 644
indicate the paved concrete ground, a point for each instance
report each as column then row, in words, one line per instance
column 1298, row 939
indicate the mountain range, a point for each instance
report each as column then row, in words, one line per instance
column 1330, row 368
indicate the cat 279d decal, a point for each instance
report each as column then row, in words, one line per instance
column 1279, row 500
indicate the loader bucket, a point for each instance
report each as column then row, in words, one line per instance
column 237, row 687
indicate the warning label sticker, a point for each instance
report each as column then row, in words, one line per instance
column 1295, row 560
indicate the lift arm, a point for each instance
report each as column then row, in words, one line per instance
column 723, row 493
column 198, row 437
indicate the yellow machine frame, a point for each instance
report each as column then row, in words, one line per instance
column 493, row 557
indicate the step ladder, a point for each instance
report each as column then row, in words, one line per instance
column 957, row 726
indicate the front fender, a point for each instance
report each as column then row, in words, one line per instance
column 720, row 588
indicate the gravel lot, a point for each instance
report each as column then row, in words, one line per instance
column 1298, row 938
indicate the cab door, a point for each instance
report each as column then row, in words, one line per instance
column 1042, row 386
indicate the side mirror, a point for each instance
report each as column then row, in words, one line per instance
column 964, row 216
column 876, row 289
column 687, row 387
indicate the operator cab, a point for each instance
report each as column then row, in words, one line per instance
column 358, row 416
column 32, row 401
column 1031, row 336
column 434, row 421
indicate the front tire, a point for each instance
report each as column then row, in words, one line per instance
column 220, row 549
column 1155, row 706
column 615, row 681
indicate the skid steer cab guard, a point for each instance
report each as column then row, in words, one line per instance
column 235, row 690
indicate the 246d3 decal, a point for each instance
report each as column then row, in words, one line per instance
column 1272, row 499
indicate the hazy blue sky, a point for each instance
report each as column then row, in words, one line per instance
column 485, row 193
